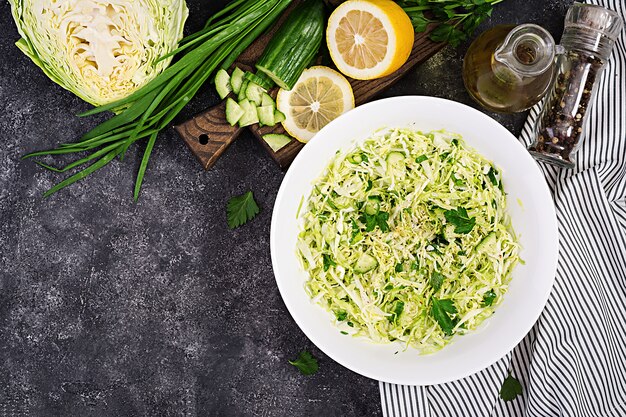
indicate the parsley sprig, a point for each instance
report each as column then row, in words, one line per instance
column 458, row 18
column 241, row 209
column 511, row 388
column 462, row 222
column 444, row 311
column 306, row 363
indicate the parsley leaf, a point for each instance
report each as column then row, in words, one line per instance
column 241, row 209
column 447, row 33
column 373, row 220
column 328, row 262
column 511, row 388
column 441, row 310
column 399, row 267
column 306, row 363
column 460, row 219
column 419, row 21
column 381, row 220
column 421, row 159
column 488, row 298
column 492, row 176
column 436, row 280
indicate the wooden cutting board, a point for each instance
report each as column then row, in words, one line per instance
column 208, row 134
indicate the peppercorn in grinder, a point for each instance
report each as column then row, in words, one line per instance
column 588, row 38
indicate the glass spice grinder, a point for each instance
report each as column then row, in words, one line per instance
column 589, row 35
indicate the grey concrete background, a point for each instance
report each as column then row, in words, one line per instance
column 115, row 308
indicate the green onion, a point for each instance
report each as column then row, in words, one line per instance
column 147, row 111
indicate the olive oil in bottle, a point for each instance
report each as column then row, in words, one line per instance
column 509, row 68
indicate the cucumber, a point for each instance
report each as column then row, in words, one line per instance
column 372, row 206
column 222, row 84
column 395, row 163
column 487, row 244
column 267, row 100
column 236, row 79
column 254, row 93
column 261, row 79
column 395, row 158
column 276, row 141
column 279, row 116
column 233, row 111
column 250, row 115
column 294, row 45
column 242, row 91
column 266, row 115
column 357, row 158
column 365, row 263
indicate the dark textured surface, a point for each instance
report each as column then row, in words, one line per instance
column 115, row 308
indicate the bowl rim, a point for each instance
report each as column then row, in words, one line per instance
column 478, row 366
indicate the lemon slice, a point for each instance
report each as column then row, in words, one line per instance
column 369, row 39
column 320, row 95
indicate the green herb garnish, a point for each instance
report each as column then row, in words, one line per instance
column 488, row 298
column 441, row 311
column 328, row 262
column 436, row 280
column 341, row 315
column 373, row 220
column 306, row 363
column 492, row 176
column 457, row 18
column 460, row 219
column 241, row 209
column 511, row 388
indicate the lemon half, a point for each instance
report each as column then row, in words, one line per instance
column 369, row 39
column 320, row 95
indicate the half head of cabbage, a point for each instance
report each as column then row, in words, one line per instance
column 101, row 50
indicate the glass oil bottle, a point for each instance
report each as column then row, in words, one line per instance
column 509, row 68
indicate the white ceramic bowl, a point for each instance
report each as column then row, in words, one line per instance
column 534, row 221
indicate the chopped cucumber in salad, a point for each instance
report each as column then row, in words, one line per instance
column 406, row 238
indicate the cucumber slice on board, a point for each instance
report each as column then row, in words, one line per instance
column 236, row 79
column 222, row 84
column 260, row 79
column 267, row 100
column 250, row 115
column 279, row 116
column 242, row 91
column 276, row 141
column 233, row 111
column 254, row 93
column 266, row 115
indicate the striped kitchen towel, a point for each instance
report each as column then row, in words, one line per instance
column 573, row 362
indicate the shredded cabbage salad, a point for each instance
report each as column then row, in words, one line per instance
column 406, row 238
